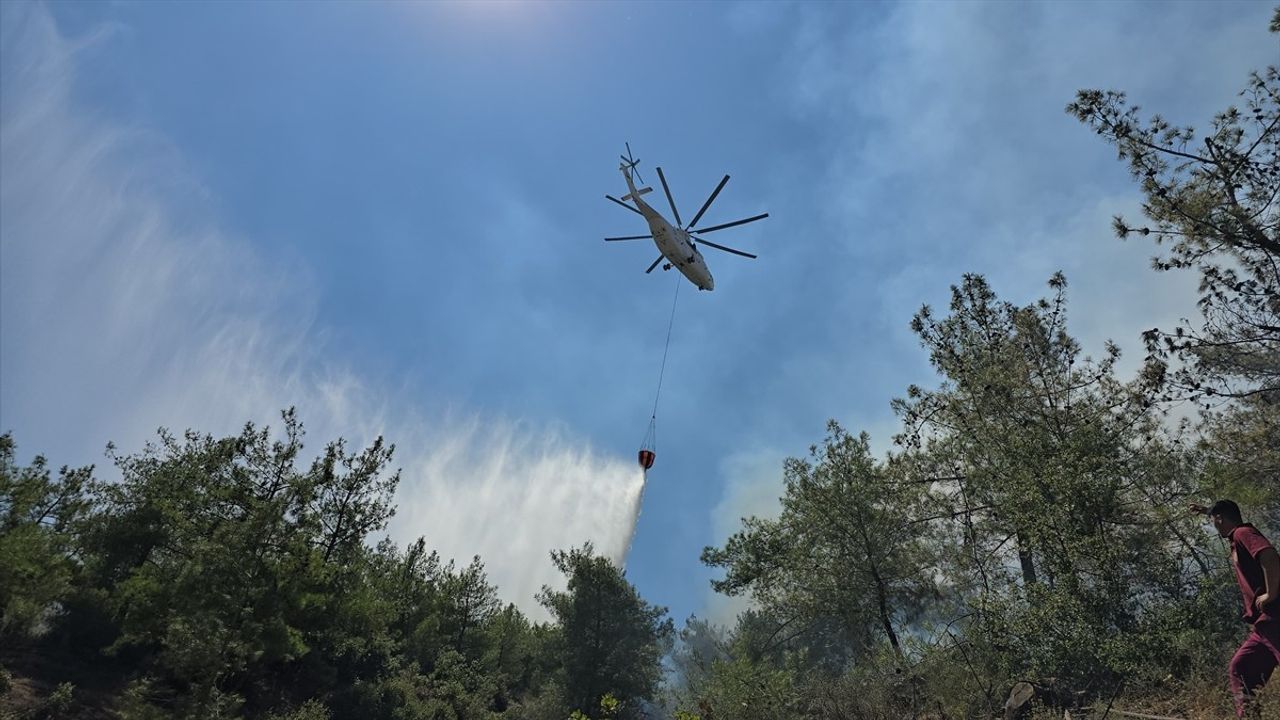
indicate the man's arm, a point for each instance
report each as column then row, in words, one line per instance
column 1270, row 562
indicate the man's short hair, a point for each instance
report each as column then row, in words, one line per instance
column 1227, row 509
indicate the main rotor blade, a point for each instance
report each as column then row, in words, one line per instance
column 629, row 237
column 654, row 265
column 700, row 241
column 625, row 205
column 667, row 190
column 735, row 223
column 707, row 204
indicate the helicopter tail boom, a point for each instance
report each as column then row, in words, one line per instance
column 637, row 193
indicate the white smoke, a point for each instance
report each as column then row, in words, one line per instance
column 125, row 307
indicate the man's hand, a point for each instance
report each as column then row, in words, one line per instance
column 1262, row 601
column 1198, row 509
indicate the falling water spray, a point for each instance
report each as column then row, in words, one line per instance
column 635, row 519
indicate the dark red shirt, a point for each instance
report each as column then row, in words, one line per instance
column 1247, row 545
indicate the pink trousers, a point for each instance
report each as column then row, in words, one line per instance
column 1253, row 662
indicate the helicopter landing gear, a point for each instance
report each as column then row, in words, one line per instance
column 666, row 266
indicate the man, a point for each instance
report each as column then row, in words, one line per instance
column 1257, row 569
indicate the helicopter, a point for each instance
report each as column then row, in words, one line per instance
column 675, row 242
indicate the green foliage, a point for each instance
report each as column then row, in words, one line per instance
column 223, row 559
column 1210, row 199
column 1240, row 453
column 309, row 710
column 610, row 641
column 1030, row 523
column 1066, row 484
column 469, row 602
column 843, row 555
column 609, row 707
column 38, row 514
column 454, row 688
column 222, row 579
column 60, row 702
column 746, row 690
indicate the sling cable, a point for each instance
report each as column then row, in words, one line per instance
column 649, row 446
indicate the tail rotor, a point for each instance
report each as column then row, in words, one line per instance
column 630, row 163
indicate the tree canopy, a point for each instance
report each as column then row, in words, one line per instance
column 219, row 577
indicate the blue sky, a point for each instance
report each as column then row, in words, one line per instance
column 390, row 216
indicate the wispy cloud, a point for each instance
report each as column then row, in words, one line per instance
column 124, row 306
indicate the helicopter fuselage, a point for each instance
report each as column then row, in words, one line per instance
column 674, row 243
